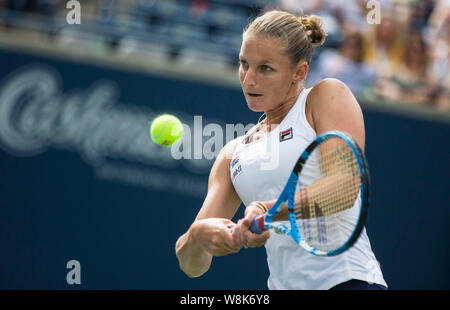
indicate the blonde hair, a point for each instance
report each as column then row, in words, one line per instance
column 298, row 34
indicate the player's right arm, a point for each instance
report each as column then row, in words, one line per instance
column 210, row 234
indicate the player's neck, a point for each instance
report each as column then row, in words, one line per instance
column 276, row 115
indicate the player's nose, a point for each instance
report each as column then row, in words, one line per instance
column 249, row 79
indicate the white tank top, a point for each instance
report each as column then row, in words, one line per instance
column 259, row 170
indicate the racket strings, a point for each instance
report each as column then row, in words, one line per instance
column 337, row 186
column 320, row 206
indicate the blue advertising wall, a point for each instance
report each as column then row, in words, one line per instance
column 81, row 180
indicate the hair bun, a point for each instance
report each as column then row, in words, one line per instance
column 314, row 29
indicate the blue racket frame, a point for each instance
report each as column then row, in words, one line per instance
column 288, row 194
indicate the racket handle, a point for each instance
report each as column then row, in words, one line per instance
column 257, row 226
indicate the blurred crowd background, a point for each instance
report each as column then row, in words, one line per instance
column 403, row 59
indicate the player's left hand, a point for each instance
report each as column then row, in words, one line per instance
column 241, row 233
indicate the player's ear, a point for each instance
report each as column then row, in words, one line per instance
column 300, row 71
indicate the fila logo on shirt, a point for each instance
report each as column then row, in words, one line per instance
column 286, row 135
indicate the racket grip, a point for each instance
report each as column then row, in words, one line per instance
column 257, row 226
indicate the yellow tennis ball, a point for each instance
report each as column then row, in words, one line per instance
column 166, row 129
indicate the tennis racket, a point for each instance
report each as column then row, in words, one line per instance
column 327, row 213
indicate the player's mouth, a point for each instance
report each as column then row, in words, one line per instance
column 254, row 95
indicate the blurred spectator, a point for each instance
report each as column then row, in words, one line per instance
column 344, row 64
column 322, row 8
column 198, row 7
column 438, row 36
column 308, row 7
column 407, row 82
column 353, row 13
column 347, row 14
column 420, row 13
column 383, row 46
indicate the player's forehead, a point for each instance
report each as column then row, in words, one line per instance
column 259, row 48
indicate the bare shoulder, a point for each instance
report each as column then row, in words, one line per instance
column 332, row 106
column 221, row 166
column 331, row 96
column 329, row 89
column 228, row 150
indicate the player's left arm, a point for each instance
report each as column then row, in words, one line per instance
column 331, row 105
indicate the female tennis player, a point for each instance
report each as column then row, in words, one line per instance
column 274, row 60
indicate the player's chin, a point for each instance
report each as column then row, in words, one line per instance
column 256, row 105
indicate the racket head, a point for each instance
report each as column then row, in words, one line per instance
column 329, row 222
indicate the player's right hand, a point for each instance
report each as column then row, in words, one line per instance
column 214, row 235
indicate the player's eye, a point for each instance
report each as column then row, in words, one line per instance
column 243, row 63
column 266, row 68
